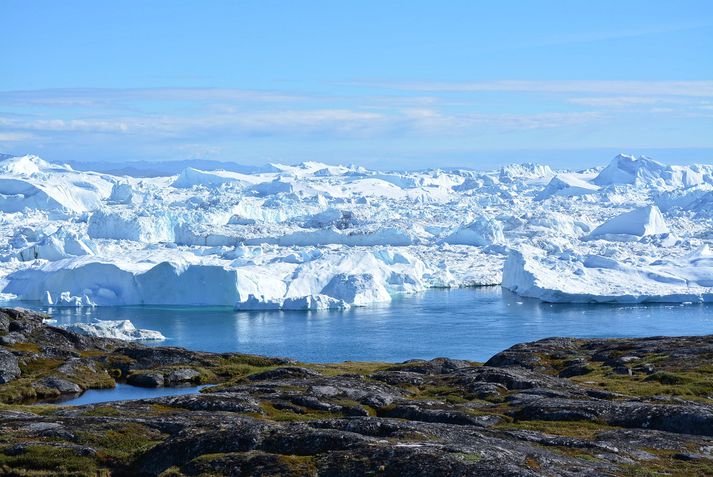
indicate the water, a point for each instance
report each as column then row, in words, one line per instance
column 468, row 323
column 124, row 392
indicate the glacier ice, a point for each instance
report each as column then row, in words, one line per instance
column 314, row 236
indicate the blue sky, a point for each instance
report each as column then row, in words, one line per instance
column 380, row 83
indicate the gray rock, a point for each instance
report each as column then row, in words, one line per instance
column 182, row 376
column 9, row 367
column 60, row 384
column 146, row 380
column 12, row 338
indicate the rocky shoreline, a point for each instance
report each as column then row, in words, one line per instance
column 553, row 407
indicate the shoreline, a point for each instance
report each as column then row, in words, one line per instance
column 556, row 406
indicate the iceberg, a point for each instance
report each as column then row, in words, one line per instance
column 632, row 225
column 118, row 329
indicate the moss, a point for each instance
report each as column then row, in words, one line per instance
column 39, row 409
column 578, row 429
column 363, row 368
column 694, row 384
column 39, row 366
column 532, row 463
column 41, row 460
column 666, row 377
column 667, row 464
column 119, row 444
column 26, row 347
column 103, row 411
column 298, row 464
column 274, row 414
column 471, row 457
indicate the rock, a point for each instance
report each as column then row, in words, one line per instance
column 421, row 412
column 61, row 385
column 184, row 375
column 9, row 366
column 12, row 338
column 423, row 418
column 146, row 380
column 228, row 402
column 575, row 370
column 398, row 377
column 4, row 323
column 284, row 373
column 434, row 366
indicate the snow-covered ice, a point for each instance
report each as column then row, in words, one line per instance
column 316, row 236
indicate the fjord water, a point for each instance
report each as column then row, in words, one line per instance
column 465, row 323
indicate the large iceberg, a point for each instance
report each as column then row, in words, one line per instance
column 632, row 225
column 117, row 329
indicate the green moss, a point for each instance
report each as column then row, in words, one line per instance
column 41, row 460
column 694, row 384
column 274, row 414
column 119, row 444
column 578, row 429
column 103, row 411
column 363, row 368
column 471, row 458
column 666, row 464
column 26, row 347
column 668, row 378
column 39, row 366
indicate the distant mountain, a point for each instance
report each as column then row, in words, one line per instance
column 165, row 168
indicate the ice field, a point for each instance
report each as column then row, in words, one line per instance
column 317, row 236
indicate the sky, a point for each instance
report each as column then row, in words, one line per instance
column 381, row 83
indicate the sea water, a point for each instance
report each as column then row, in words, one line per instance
column 466, row 323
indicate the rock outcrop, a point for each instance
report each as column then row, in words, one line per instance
column 554, row 407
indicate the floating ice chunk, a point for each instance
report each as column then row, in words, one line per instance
column 127, row 225
column 303, row 303
column 532, row 273
column 275, row 187
column 361, row 289
column 314, row 302
column 122, row 193
column 566, row 185
column 59, row 245
column 386, row 236
column 190, row 177
column 66, row 299
column 625, row 169
column 526, row 171
column 117, row 329
column 632, row 225
column 482, row 232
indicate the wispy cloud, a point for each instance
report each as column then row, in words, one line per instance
column 114, row 96
column 702, row 88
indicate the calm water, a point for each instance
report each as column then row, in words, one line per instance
column 124, row 392
column 468, row 323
